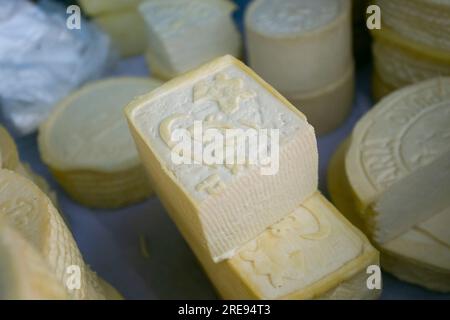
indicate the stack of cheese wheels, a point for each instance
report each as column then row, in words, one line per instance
column 55, row 254
column 392, row 180
column 413, row 44
column 121, row 20
column 9, row 159
column 183, row 34
column 261, row 231
column 88, row 147
column 303, row 48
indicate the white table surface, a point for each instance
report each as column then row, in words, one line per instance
column 110, row 240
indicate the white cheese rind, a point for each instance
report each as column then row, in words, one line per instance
column 182, row 34
column 248, row 202
column 288, row 60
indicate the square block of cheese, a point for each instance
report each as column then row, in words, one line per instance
column 225, row 206
column 313, row 253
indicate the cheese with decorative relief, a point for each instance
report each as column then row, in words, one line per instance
column 224, row 205
column 313, row 253
column 88, row 147
column 183, row 34
column 398, row 142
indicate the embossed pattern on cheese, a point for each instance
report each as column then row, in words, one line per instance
column 309, row 253
column 289, row 17
column 236, row 205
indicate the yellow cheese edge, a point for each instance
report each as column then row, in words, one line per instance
column 404, row 268
column 45, row 148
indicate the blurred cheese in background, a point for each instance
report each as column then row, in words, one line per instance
column 413, row 44
column 304, row 49
column 25, row 274
column 392, row 178
column 183, row 34
column 31, row 213
column 257, row 236
column 9, row 159
column 121, row 20
column 41, row 60
column 88, row 147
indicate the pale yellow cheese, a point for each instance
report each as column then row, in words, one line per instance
column 29, row 211
column 406, row 131
column 396, row 165
column 328, row 107
column 24, row 274
column 183, row 34
column 127, row 30
column 9, row 157
column 399, row 62
column 421, row 21
column 225, row 206
column 299, row 46
column 87, row 145
column 303, row 48
column 96, row 7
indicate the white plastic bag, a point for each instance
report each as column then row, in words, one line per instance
column 42, row 61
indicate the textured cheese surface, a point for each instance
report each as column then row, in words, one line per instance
column 185, row 34
column 24, row 274
column 405, row 131
column 88, row 130
column 34, row 216
column 238, row 202
column 311, row 253
column 288, row 17
column 421, row 255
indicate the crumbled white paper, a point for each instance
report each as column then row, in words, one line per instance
column 42, row 60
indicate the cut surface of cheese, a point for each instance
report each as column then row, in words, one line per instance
column 313, row 253
column 406, row 131
column 421, row 255
column 88, row 147
column 127, row 30
column 225, row 205
column 286, row 39
column 33, row 215
column 24, row 274
column 96, row 7
column 183, row 34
